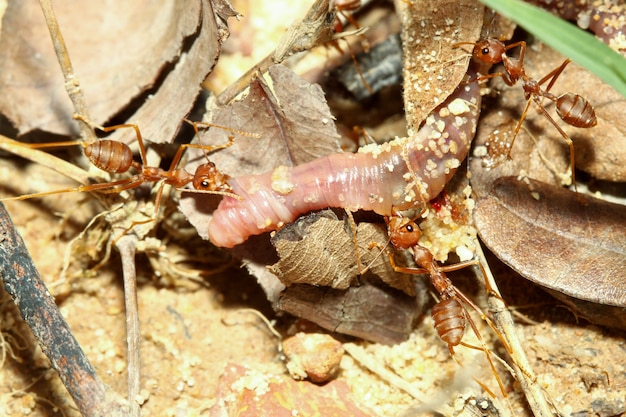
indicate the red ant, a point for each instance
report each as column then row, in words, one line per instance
column 449, row 315
column 572, row 108
column 342, row 8
column 117, row 157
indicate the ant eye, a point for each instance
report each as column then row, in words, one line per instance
column 409, row 228
column 204, row 184
column 484, row 51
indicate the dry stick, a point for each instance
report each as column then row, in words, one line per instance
column 72, row 84
column 45, row 159
column 523, row 370
column 311, row 31
column 301, row 36
column 374, row 365
column 126, row 247
column 37, row 307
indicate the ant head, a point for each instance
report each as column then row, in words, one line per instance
column 403, row 232
column 489, row 51
column 209, row 178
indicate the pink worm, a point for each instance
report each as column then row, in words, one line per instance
column 403, row 173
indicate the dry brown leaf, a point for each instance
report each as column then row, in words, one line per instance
column 433, row 67
column 570, row 243
column 291, row 117
column 113, row 52
column 378, row 314
column 293, row 120
column 223, row 10
column 319, row 249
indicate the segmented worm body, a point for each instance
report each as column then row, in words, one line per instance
column 402, row 173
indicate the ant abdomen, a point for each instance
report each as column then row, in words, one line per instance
column 110, row 155
column 575, row 110
column 449, row 319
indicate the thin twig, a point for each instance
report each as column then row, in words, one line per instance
column 126, row 246
column 301, row 36
column 368, row 361
column 503, row 318
column 72, row 84
column 45, row 159
column 37, row 307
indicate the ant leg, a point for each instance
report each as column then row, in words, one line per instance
column 208, row 148
column 522, row 51
column 485, row 77
column 483, row 346
column 53, row 144
column 157, row 205
column 553, row 75
column 518, row 128
column 355, row 241
column 567, row 139
column 105, row 188
column 465, row 264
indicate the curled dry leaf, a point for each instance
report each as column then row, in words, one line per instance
column 292, row 118
column 570, row 243
column 314, row 29
column 433, row 67
column 112, row 48
column 378, row 314
column 223, row 10
column 539, row 151
column 330, row 242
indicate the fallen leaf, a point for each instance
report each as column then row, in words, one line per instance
column 330, row 241
column 378, row 314
column 290, row 116
column 433, row 66
column 293, row 121
column 570, row 243
column 112, row 48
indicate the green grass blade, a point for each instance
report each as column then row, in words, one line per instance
column 568, row 39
